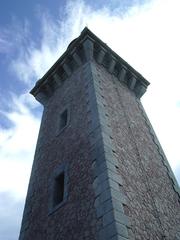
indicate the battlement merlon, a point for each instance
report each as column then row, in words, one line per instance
column 82, row 49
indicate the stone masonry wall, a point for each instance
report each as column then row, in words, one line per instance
column 153, row 206
column 76, row 219
column 118, row 185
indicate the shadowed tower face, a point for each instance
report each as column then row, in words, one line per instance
column 99, row 172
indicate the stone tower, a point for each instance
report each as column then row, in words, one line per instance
column 99, row 172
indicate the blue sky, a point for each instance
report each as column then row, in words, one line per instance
column 33, row 34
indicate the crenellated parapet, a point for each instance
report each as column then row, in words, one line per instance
column 88, row 47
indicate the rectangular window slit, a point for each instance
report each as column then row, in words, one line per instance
column 58, row 189
column 63, row 119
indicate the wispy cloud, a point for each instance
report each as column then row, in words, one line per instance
column 14, row 36
column 4, row 45
column 32, row 62
column 11, row 211
column 17, row 145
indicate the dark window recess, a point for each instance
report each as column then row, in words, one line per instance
column 58, row 190
column 63, row 119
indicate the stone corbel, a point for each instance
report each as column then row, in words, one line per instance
column 48, row 88
column 139, row 90
column 122, row 74
column 42, row 97
column 77, row 59
column 57, row 79
column 112, row 65
column 132, row 82
column 67, row 69
column 88, row 46
column 100, row 56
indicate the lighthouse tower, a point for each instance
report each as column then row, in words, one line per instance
column 99, row 172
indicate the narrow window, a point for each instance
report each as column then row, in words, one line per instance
column 63, row 119
column 58, row 187
column 58, row 190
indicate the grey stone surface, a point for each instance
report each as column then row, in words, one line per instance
column 112, row 65
column 101, row 56
column 122, row 230
column 118, row 237
column 108, row 232
column 88, row 47
column 67, row 69
column 132, row 82
column 77, row 59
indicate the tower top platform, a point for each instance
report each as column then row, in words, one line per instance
column 82, row 49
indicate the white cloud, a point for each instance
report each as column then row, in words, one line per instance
column 18, row 31
column 4, row 45
column 33, row 62
column 17, row 145
column 10, row 218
